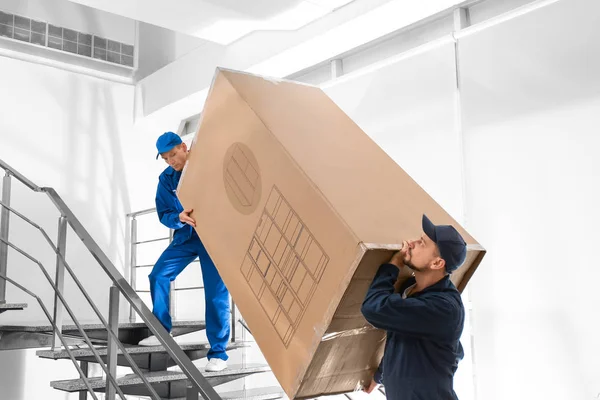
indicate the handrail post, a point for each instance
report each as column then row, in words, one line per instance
column 172, row 299
column 133, row 265
column 61, row 246
column 4, row 224
column 196, row 378
column 175, row 352
column 233, row 317
column 113, row 325
column 83, row 395
column 191, row 393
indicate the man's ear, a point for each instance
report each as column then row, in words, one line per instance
column 438, row 263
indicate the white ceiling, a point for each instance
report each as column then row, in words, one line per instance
column 179, row 89
column 220, row 21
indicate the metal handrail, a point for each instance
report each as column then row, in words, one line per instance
column 142, row 212
column 57, row 332
column 175, row 352
column 20, row 177
column 153, row 240
column 114, row 337
column 133, row 266
column 72, row 315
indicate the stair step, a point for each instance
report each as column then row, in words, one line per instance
column 77, row 385
column 12, row 306
column 129, row 332
column 131, row 349
column 266, row 393
column 73, row 327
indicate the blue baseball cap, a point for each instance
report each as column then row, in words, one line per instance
column 453, row 248
column 166, row 142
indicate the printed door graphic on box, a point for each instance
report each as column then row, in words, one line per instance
column 283, row 265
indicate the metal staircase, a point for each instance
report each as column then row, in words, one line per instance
column 159, row 372
column 8, row 306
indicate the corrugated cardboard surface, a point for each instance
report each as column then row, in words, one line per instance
column 346, row 165
column 343, row 364
column 286, row 261
column 288, row 193
column 351, row 349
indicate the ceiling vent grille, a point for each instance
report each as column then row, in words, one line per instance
column 67, row 40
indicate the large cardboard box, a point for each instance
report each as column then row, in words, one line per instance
column 298, row 207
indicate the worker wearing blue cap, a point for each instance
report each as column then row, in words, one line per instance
column 185, row 248
column 424, row 319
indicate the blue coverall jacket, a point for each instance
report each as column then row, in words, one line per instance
column 423, row 331
column 168, row 206
column 185, row 248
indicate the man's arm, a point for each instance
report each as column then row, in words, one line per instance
column 168, row 214
column 426, row 315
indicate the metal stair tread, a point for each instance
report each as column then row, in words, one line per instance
column 73, row 327
column 264, row 393
column 74, row 385
column 131, row 349
column 12, row 306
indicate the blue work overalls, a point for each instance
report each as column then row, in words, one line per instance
column 184, row 249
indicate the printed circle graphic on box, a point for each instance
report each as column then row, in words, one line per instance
column 241, row 175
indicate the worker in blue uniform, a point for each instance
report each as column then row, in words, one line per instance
column 424, row 319
column 185, row 248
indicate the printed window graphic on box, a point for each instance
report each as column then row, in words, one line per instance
column 283, row 265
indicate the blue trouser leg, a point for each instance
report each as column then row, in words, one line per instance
column 170, row 264
column 217, row 307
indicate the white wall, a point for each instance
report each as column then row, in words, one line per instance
column 70, row 132
column 159, row 47
column 531, row 97
column 75, row 16
column 155, row 49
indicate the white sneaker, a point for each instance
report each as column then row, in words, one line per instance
column 149, row 341
column 216, row 365
column 153, row 341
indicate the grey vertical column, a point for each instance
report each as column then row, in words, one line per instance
column 462, row 21
column 4, row 225
column 337, row 68
column 113, row 325
column 133, row 265
column 59, row 279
